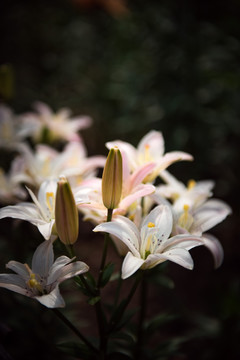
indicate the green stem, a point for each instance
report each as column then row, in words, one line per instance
column 115, row 321
column 105, row 247
column 98, row 305
column 142, row 314
column 74, row 329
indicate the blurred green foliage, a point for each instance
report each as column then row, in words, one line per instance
column 166, row 65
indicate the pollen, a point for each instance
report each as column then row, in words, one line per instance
column 186, row 208
column 191, row 184
column 151, row 225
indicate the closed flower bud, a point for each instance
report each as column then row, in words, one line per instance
column 112, row 179
column 66, row 213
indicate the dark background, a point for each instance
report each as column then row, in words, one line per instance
column 134, row 66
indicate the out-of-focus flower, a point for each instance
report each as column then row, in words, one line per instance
column 193, row 212
column 151, row 245
column 150, row 150
column 66, row 213
column 46, row 163
column 41, row 212
column 112, row 179
column 41, row 282
column 50, row 126
column 10, row 126
column 10, row 189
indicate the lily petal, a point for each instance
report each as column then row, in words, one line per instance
column 213, row 244
column 179, row 256
column 125, row 230
column 52, row 300
column 60, row 272
column 43, row 259
column 130, row 265
column 211, row 213
column 19, row 269
column 14, row 283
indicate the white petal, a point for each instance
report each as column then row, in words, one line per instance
column 179, row 256
column 171, row 157
column 14, row 283
column 46, row 229
column 19, row 269
column 161, row 217
column 210, row 214
column 43, row 259
column 23, row 211
column 213, row 244
column 52, row 300
column 130, row 265
column 155, row 141
column 184, row 241
column 60, row 272
column 125, row 230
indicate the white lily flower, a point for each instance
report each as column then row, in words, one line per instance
column 59, row 125
column 150, row 149
column 46, row 163
column 41, row 212
column 151, row 245
column 41, row 282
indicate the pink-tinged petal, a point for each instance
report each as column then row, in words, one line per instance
column 66, row 271
column 211, row 213
column 213, row 244
column 179, row 256
column 171, row 157
column 155, row 143
column 43, row 259
column 23, row 211
column 14, row 283
column 46, row 229
column 125, row 230
column 52, row 300
column 130, row 265
column 18, row 268
column 140, row 191
column 139, row 175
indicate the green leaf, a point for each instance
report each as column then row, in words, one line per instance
column 77, row 350
column 93, row 300
column 157, row 321
column 107, row 273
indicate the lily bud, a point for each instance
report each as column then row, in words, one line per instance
column 112, row 179
column 66, row 213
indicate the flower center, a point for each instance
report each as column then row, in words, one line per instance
column 185, row 220
column 33, row 283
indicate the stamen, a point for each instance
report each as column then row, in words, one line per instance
column 50, row 200
column 186, row 219
column 34, row 284
column 191, row 184
column 151, row 225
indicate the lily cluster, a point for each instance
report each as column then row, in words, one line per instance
column 148, row 223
